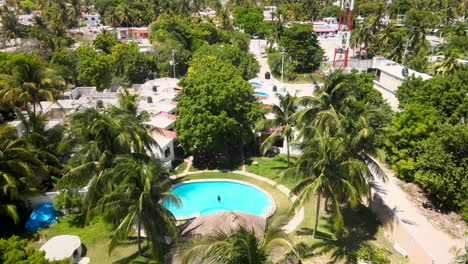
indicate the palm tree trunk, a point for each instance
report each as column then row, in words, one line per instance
column 287, row 149
column 325, row 205
column 317, row 212
column 139, row 238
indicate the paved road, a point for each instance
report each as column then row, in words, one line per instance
column 256, row 47
column 436, row 242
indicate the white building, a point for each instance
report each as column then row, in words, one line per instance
column 389, row 75
column 25, row 19
column 269, row 13
column 92, row 20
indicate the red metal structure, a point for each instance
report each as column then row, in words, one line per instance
column 345, row 24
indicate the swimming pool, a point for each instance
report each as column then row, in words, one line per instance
column 261, row 93
column 200, row 197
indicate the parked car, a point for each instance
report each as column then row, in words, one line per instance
column 255, row 36
column 263, row 54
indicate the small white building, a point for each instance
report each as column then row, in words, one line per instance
column 26, row 20
column 207, row 12
column 269, row 13
column 92, row 19
column 158, row 98
column 390, row 75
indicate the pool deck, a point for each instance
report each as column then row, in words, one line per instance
column 298, row 217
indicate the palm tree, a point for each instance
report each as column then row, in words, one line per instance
column 18, row 168
column 338, row 135
column 29, row 81
column 10, row 27
column 449, row 64
column 360, row 37
column 325, row 169
column 384, row 36
column 135, row 198
column 240, row 246
column 101, row 136
column 44, row 140
column 283, row 123
column 333, row 94
column 124, row 12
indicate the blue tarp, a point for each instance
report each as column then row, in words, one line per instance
column 42, row 216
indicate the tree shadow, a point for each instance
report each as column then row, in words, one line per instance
column 360, row 226
column 219, row 162
column 133, row 258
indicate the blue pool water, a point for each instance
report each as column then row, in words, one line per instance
column 256, row 83
column 203, row 197
column 261, row 93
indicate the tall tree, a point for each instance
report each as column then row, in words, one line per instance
column 217, row 110
column 136, row 199
column 29, row 80
column 102, row 134
column 18, row 169
column 283, row 123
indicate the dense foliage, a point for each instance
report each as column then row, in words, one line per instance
column 301, row 44
column 16, row 251
column 217, row 110
column 428, row 142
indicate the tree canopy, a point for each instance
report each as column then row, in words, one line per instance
column 217, row 110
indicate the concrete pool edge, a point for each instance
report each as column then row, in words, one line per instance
column 270, row 211
column 298, row 217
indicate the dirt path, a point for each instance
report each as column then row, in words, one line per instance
column 436, row 242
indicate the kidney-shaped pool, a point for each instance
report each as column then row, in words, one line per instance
column 210, row 196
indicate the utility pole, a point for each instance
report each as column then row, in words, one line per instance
column 405, row 53
column 282, row 66
column 173, row 62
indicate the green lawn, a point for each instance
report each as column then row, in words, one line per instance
column 95, row 237
column 271, row 168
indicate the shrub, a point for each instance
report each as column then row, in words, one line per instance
column 15, row 251
column 67, row 200
column 372, row 253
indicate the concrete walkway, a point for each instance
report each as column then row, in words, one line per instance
column 292, row 225
column 436, row 243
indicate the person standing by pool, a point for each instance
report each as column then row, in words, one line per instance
column 219, row 198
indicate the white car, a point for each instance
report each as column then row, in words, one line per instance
column 263, row 54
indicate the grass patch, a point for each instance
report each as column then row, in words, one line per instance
column 301, row 78
column 95, row 237
column 271, row 168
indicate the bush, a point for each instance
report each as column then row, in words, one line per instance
column 274, row 61
column 372, row 253
column 67, row 200
column 15, row 251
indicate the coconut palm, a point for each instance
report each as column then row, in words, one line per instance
column 10, row 29
column 338, row 134
column 101, row 136
column 135, row 199
column 240, row 246
column 449, row 64
column 28, row 80
column 325, row 169
column 333, row 94
column 283, row 123
column 18, row 168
